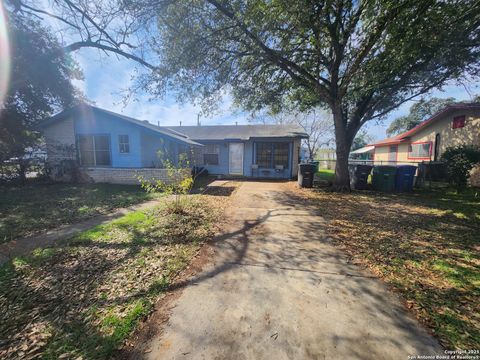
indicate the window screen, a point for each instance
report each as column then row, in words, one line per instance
column 264, row 155
column 392, row 153
column 420, row 150
column 270, row 155
column 94, row 150
column 210, row 155
column 280, row 154
column 123, row 144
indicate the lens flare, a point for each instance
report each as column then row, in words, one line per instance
column 4, row 56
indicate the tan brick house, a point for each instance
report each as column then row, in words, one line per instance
column 457, row 124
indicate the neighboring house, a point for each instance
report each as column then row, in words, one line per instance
column 364, row 154
column 457, row 124
column 114, row 148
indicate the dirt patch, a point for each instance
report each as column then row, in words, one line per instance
column 218, row 196
column 153, row 325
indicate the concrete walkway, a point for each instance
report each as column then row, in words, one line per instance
column 278, row 290
column 24, row 246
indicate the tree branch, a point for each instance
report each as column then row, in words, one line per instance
column 92, row 44
column 293, row 69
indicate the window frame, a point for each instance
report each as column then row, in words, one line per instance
column 272, row 153
column 120, row 144
column 393, row 152
column 458, row 122
column 94, row 151
column 215, row 152
column 420, row 157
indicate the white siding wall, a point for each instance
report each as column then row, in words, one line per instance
column 60, row 141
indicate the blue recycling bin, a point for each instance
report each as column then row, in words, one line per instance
column 404, row 178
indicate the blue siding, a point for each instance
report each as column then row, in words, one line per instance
column 144, row 143
column 248, row 159
column 91, row 124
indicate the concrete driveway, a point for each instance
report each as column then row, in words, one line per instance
column 277, row 289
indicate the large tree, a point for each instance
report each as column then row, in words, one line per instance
column 360, row 58
column 418, row 112
column 40, row 84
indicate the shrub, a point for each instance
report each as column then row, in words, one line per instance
column 179, row 184
column 459, row 161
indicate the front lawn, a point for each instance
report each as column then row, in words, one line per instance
column 426, row 245
column 83, row 299
column 26, row 210
column 325, row 175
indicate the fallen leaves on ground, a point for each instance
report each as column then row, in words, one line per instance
column 424, row 244
column 81, row 300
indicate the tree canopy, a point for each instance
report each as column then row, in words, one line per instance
column 40, row 84
column 361, row 140
column 362, row 59
column 418, row 112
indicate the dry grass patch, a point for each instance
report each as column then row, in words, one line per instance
column 426, row 245
column 82, row 300
column 31, row 209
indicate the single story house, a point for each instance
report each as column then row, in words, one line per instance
column 363, row 154
column 109, row 147
column 457, row 124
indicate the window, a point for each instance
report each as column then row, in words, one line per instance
column 210, row 155
column 458, row 122
column 94, row 150
column 123, row 144
column 264, row 155
column 419, row 150
column 392, row 153
column 270, row 155
column 280, row 155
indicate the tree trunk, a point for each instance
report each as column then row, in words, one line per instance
column 342, row 177
column 343, row 144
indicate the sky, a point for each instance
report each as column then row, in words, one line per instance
column 106, row 77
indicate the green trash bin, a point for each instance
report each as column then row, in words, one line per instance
column 316, row 163
column 383, row 178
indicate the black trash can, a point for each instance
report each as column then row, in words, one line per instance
column 306, row 172
column 383, row 178
column 404, row 178
column 359, row 175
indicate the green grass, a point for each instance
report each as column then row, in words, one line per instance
column 425, row 244
column 35, row 208
column 85, row 297
column 326, row 175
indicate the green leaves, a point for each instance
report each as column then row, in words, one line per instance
column 459, row 161
column 419, row 112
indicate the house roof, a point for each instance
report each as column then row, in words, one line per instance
column 363, row 150
column 240, row 132
column 189, row 134
column 404, row 137
column 143, row 123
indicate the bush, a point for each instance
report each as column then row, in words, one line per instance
column 459, row 161
column 179, row 183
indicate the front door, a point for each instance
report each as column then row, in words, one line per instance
column 436, row 155
column 236, row 158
